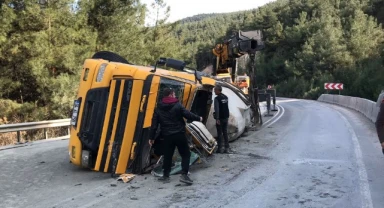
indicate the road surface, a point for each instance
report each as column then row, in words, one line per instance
column 310, row 154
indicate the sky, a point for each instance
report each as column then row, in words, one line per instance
column 186, row 8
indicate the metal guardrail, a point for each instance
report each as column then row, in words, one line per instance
column 5, row 128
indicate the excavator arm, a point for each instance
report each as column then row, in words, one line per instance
column 225, row 61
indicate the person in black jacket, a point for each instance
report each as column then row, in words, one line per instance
column 169, row 115
column 221, row 115
column 380, row 121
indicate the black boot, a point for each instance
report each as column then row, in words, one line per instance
column 219, row 150
column 185, row 179
column 165, row 179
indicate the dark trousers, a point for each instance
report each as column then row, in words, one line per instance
column 222, row 132
column 180, row 141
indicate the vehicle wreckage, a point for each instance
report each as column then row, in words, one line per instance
column 112, row 114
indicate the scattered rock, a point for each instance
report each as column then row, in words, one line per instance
column 42, row 162
column 337, row 190
column 134, row 198
column 257, row 156
column 135, row 187
column 161, row 188
column 113, row 185
column 79, row 184
column 178, row 184
column 73, row 199
column 324, row 195
column 145, row 178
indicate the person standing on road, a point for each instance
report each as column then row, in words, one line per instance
column 169, row 114
column 380, row 122
column 221, row 115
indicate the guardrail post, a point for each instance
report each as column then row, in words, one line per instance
column 268, row 99
column 273, row 95
column 45, row 133
column 18, row 136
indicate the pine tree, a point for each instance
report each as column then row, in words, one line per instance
column 118, row 25
column 160, row 41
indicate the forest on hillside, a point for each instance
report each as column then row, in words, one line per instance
column 308, row 42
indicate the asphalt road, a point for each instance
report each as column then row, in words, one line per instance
column 310, row 154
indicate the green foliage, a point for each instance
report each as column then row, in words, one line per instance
column 160, row 41
column 44, row 43
column 313, row 42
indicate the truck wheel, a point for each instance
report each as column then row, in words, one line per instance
column 110, row 56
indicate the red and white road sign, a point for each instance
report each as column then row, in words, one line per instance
column 269, row 87
column 333, row 86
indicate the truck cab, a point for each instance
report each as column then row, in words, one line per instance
column 113, row 111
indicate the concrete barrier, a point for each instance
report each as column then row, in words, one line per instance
column 336, row 100
column 353, row 102
column 366, row 107
column 374, row 113
column 327, row 99
column 321, row 98
column 345, row 101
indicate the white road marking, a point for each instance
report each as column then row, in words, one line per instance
column 274, row 116
column 365, row 192
column 310, row 161
column 277, row 118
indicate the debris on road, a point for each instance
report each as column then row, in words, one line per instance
column 79, row 184
column 113, row 185
column 126, row 177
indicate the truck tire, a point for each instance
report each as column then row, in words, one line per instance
column 109, row 56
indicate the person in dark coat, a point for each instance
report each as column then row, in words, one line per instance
column 380, row 121
column 221, row 115
column 169, row 115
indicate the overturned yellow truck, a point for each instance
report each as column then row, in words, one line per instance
column 112, row 113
